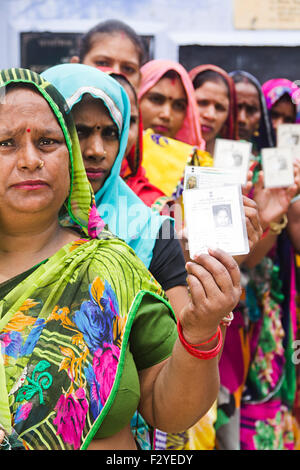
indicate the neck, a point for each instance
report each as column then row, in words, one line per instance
column 29, row 239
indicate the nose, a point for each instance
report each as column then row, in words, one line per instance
column 94, row 148
column 209, row 112
column 29, row 157
column 242, row 116
column 117, row 68
column 165, row 111
column 277, row 121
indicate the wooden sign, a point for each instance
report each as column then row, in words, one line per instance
column 267, row 14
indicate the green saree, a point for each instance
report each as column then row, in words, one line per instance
column 69, row 328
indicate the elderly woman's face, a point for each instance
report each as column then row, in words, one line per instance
column 34, row 160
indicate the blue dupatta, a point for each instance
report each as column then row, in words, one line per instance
column 120, row 208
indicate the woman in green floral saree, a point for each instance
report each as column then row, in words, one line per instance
column 86, row 334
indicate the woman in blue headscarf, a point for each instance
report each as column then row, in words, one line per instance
column 101, row 109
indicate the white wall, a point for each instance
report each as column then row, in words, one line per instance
column 174, row 22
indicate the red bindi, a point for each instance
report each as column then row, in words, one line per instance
column 28, row 130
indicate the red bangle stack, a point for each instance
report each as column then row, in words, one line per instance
column 192, row 348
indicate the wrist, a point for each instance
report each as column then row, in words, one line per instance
column 214, row 344
column 277, row 227
column 205, row 337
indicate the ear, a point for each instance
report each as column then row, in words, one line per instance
column 74, row 59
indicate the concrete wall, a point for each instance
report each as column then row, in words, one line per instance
column 173, row 22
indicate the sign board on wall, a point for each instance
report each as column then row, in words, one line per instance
column 267, row 14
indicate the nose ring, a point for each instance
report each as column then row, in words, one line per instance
column 42, row 163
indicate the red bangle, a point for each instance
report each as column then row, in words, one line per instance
column 191, row 348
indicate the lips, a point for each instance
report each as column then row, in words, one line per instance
column 95, row 173
column 161, row 129
column 206, row 129
column 30, row 185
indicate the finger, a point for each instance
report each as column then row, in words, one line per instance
column 212, row 273
column 260, row 182
column 229, row 263
column 209, row 279
column 196, row 289
column 253, row 219
column 248, row 202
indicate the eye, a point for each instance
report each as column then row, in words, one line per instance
column 220, row 107
column 133, row 120
column 128, row 70
column 110, row 133
column 46, row 141
column 6, row 143
column 82, row 132
column 156, row 99
column 102, row 63
column 180, row 106
column 202, row 103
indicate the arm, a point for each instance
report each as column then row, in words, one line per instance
column 273, row 204
column 184, row 383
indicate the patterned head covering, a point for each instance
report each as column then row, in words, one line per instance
column 152, row 72
column 274, row 89
column 229, row 130
column 79, row 206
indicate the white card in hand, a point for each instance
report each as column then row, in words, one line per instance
column 235, row 155
column 277, row 164
column 288, row 135
column 215, row 218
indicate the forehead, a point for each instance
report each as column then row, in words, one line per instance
column 170, row 87
column 117, row 46
column 21, row 102
column 214, row 90
column 246, row 91
column 90, row 108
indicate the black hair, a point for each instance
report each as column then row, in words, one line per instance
column 110, row 27
column 124, row 81
column 172, row 74
column 209, row 76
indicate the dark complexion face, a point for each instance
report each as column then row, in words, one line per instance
column 98, row 137
column 249, row 111
column 283, row 112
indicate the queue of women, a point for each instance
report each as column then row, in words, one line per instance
column 111, row 336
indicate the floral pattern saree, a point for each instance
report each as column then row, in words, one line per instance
column 65, row 327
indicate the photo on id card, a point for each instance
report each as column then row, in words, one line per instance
column 215, row 218
column 234, row 155
column 277, row 165
column 197, row 177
